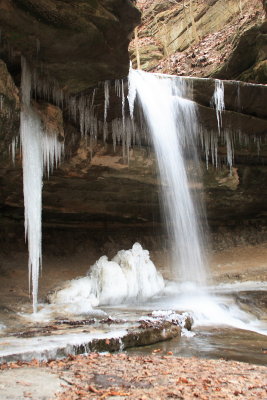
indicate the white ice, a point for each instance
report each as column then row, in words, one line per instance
column 129, row 277
column 218, row 101
column 39, row 151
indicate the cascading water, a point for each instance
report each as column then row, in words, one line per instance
column 172, row 121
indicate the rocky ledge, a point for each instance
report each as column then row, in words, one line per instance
column 65, row 337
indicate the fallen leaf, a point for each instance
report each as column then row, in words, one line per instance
column 182, row 380
column 93, row 389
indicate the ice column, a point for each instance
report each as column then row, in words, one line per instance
column 32, row 162
column 39, row 150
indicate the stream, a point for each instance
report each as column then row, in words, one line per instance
column 244, row 303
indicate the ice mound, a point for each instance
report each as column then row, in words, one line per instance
column 129, row 277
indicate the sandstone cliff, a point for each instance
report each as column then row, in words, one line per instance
column 200, row 38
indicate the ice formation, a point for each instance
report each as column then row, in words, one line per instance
column 39, row 151
column 209, row 139
column 172, row 123
column 106, row 106
column 53, row 151
column 13, row 148
column 32, row 162
column 106, row 102
column 210, row 142
column 129, row 277
column 218, row 101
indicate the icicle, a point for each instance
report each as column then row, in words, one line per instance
column 106, row 105
column 106, row 102
column 93, row 97
column 52, row 150
column 116, row 127
column 72, row 106
column 229, row 149
column 205, row 143
column 14, row 146
column 122, row 102
column 118, row 87
column 131, row 93
column 32, row 161
column 38, row 151
column 218, row 101
column 81, row 108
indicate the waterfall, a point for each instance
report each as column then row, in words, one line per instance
column 172, row 121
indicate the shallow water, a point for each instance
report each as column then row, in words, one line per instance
column 238, row 331
column 227, row 343
column 233, row 333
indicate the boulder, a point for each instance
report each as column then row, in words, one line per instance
column 248, row 61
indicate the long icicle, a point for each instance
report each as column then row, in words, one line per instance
column 39, row 151
column 31, row 141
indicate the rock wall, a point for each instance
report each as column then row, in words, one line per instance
column 225, row 38
column 248, row 61
column 73, row 45
column 9, row 109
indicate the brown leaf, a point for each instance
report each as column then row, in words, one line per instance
column 93, row 389
column 182, row 380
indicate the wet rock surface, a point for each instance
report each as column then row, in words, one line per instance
column 256, row 301
column 61, row 338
